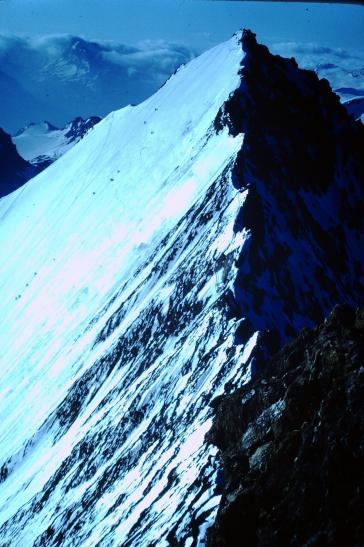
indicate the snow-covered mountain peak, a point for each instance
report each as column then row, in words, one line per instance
column 93, row 236
column 32, row 127
column 145, row 268
column 43, row 143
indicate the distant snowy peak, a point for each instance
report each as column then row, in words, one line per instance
column 44, row 126
column 14, row 170
column 58, row 77
column 41, row 144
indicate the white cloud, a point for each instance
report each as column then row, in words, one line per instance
column 344, row 69
column 63, row 76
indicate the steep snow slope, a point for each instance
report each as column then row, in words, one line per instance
column 140, row 268
column 42, row 143
column 112, row 333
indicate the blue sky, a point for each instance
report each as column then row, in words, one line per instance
column 128, row 48
column 194, row 23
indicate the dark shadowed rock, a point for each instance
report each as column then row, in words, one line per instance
column 79, row 127
column 355, row 107
column 291, row 444
column 303, row 168
column 14, row 170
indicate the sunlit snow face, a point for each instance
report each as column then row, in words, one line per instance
column 119, row 298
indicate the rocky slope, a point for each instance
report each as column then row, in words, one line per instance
column 14, row 170
column 291, row 444
column 355, row 107
column 302, row 166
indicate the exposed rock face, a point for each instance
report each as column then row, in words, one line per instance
column 14, row 170
column 291, row 443
column 79, row 127
column 355, row 107
column 302, row 164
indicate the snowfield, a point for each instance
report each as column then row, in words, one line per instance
column 113, row 340
column 43, row 143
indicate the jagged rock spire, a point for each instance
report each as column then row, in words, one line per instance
column 303, row 167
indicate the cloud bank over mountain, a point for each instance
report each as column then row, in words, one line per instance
column 60, row 77
column 343, row 68
column 63, row 76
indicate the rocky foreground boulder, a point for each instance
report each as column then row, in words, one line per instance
column 292, row 446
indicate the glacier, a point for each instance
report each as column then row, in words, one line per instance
column 42, row 143
column 124, row 310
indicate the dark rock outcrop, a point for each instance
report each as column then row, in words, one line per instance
column 303, row 169
column 14, row 170
column 355, row 107
column 291, row 444
column 78, row 127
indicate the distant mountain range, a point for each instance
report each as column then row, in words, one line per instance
column 37, row 74
column 60, row 77
column 34, row 148
column 355, row 107
column 41, row 144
